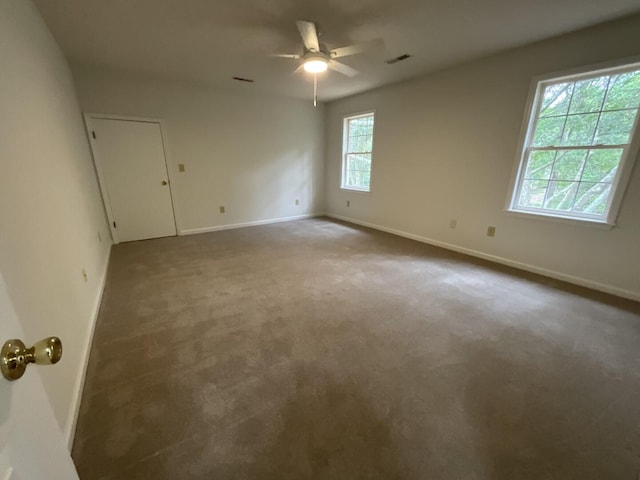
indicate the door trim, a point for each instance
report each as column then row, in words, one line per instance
column 168, row 165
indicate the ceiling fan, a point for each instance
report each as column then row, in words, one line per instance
column 317, row 58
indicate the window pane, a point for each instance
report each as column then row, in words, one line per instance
column 588, row 95
column 614, row 128
column 360, row 143
column 360, row 134
column 361, row 126
column 602, row 165
column 359, row 129
column 532, row 193
column 560, row 195
column 592, row 198
column 568, row 165
column 359, row 162
column 358, row 178
column 555, row 100
column 624, row 91
column 352, row 179
column 366, row 179
column 580, row 129
column 540, row 164
column 548, row 131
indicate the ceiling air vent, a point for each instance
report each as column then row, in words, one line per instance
column 240, row 79
column 391, row 61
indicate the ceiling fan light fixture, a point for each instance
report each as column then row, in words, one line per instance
column 316, row 65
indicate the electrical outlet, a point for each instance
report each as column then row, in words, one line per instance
column 453, row 223
column 221, row 208
column 181, row 167
column 348, row 203
column 297, row 202
column 84, row 275
column 491, row 231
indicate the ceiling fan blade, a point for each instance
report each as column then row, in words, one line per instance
column 285, row 55
column 298, row 70
column 357, row 48
column 346, row 51
column 342, row 68
column 309, row 35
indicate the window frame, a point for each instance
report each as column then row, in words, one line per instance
column 531, row 115
column 345, row 147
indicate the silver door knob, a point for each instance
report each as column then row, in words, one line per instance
column 15, row 356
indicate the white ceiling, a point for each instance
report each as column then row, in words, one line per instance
column 210, row 41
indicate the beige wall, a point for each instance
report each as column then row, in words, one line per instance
column 445, row 148
column 50, row 207
column 252, row 153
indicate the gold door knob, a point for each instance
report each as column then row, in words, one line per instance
column 164, row 182
column 15, row 357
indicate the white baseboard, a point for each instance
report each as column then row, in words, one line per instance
column 583, row 282
column 194, row 231
column 74, row 410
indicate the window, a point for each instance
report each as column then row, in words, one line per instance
column 357, row 145
column 579, row 145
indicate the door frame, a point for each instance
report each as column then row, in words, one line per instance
column 168, row 165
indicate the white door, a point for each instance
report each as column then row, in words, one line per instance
column 31, row 443
column 131, row 164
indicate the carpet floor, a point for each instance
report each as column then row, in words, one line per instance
column 316, row 349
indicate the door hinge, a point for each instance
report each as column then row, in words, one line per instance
column 114, row 225
column 93, row 134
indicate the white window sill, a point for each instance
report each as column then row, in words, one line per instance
column 357, row 190
column 560, row 219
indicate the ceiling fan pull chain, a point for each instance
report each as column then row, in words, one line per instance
column 315, row 90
